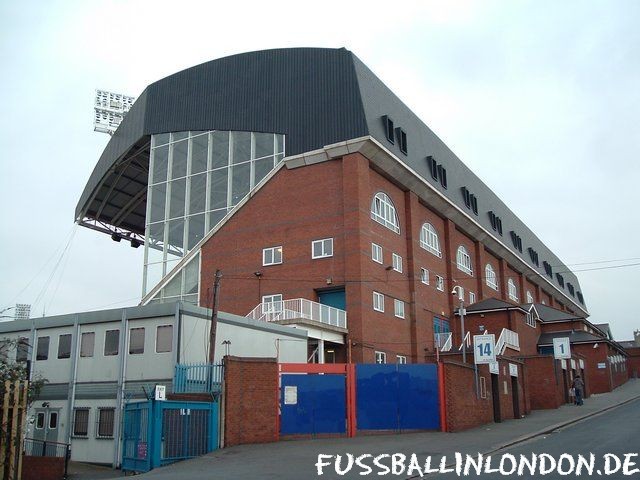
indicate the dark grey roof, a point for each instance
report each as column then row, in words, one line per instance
column 491, row 304
column 629, row 344
column 550, row 314
column 574, row 336
column 315, row 97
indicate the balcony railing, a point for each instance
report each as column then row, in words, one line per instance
column 507, row 338
column 299, row 308
column 198, row 378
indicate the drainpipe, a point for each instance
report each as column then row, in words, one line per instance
column 122, row 352
column 75, row 353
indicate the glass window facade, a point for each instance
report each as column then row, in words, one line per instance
column 195, row 179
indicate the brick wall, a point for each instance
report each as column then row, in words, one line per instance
column 464, row 409
column 544, row 382
column 633, row 362
column 42, row 468
column 250, row 400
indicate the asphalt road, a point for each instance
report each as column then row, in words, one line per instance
column 616, row 432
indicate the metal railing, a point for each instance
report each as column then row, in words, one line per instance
column 198, row 378
column 42, row 448
column 443, row 341
column 507, row 338
column 299, row 308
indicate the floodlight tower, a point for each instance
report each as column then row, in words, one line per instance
column 109, row 110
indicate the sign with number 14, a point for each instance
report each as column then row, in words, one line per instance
column 484, row 348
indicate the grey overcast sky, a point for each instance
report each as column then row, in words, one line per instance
column 540, row 99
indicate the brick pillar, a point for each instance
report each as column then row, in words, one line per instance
column 481, row 261
column 356, row 193
column 536, row 294
column 250, row 400
column 449, row 253
column 521, row 287
column 412, row 209
column 502, row 272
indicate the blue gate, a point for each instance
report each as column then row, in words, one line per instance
column 313, row 404
column 157, row 433
column 397, row 397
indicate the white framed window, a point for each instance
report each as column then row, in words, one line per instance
column 424, row 276
column 463, row 260
column 105, row 421
column 322, row 248
column 512, row 290
column 376, row 253
column 272, row 256
column 136, row 341
column 531, row 321
column 272, row 303
column 401, row 359
column 397, row 262
column 381, row 357
column 429, row 239
column 439, row 283
column 164, row 338
column 40, row 421
column 378, row 302
column 490, row 277
column 529, row 297
column 384, row 212
column 87, row 343
column 398, row 308
column 472, row 297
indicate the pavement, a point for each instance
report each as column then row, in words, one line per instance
column 296, row 459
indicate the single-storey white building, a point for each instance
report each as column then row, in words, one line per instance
column 91, row 368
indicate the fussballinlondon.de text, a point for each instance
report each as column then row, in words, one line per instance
column 463, row 465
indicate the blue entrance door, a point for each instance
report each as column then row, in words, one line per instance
column 333, row 298
column 312, row 404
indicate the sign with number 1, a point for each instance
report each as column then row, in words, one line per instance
column 561, row 348
column 484, row 348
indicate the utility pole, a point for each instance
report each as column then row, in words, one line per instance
column 214, row 316
column 457, row 290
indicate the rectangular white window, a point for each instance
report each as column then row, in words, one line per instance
column 378, row 302
column 531, row 321
column 272, row 256
column 87, row 343
column 376, row 253
column 164, row 338
column 64, row 345
column 424, row 276
column 381, row 357
column 111, row 342
column 397, row 263
column 42, row 353
column 272, row 303
column 472, row 297
column 401, row 359
column 439, row 283
column 106, row 417
column 322, row 248
column 398, row 308
column 136, row 341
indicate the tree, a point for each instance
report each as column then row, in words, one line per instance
column 12, row 371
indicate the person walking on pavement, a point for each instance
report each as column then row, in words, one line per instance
column 578, row 387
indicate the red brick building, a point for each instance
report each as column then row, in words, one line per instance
column 322, row 200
